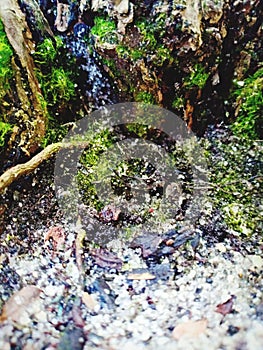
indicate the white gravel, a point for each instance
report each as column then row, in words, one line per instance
column 145, row 318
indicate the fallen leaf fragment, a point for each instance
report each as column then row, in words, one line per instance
column 148, row 243
column 141, row 276
column 105, row 258
column 58, row 237
column 77, row 317
column 226, row 307
column 89, row 300
column 20, row 306
column 81, row 234
column 189, row 329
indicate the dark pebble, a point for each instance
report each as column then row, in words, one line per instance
column 232, row 330
column 161, row 271
column 259, row 311
column 72, row 339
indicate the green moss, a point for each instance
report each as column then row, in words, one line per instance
column 46, row 52
column 104, row 30
column 154, row 29
column 57, row 75
column 242, row 218
column 60, row 88
column 54, row 133
column 197, row 77
column 54, row 73
column 139, row 130
column 178, row 102
column 249, row 96
column 150, row 46
column 6, row 75
column 123, row 51
column 145, row 97
column 57, row 87
column 236, row 179
column 162, row 54
column 90, row 159
column 148, row 34
column 136, row 54
column 6, row 53
column 5, row 129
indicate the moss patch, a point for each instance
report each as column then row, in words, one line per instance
column 6, row 53
column 197, row 77
column 144, row 97
column 236, row 180
column 5, row 129
column 6, row 75
column 104, row 30
column 249, row 100
column 55, row 75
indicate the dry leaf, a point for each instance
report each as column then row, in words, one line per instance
column 89, row 300
column 148, row 243
column 58, row 237
column 77, row 317
column 190, row 329
column 3, row 257
column 81, row 234
column 141, row 276
column 226, row 307
column 105, row 258
column 19, row 306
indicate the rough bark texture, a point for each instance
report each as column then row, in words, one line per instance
column 207, row 37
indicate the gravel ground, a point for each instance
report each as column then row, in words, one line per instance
column 58, row 295
column 111, row 311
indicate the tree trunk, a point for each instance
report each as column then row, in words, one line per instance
column 31, row 116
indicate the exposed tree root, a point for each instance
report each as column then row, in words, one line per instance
column 14, row 173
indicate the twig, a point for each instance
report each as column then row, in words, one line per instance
column 12, row 174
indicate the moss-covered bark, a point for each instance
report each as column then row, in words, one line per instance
column 27, row 111
column 198, row 59
column 187, row 55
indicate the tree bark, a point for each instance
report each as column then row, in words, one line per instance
column 32, row 115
